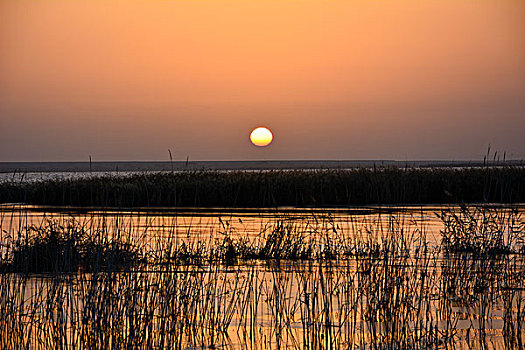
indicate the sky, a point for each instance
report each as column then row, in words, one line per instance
column 352, row 79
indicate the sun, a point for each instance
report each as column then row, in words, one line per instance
column 261, row 136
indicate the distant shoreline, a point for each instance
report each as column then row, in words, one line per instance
column 137, row 166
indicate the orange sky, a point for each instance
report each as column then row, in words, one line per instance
column 129, row 79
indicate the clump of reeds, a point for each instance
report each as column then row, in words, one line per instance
column 479, row 243
column 69, row 247
column 281, row 240
column 284, row 242
column 482, row 230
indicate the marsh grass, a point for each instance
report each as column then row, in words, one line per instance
column 382, row 286
column 260, row 189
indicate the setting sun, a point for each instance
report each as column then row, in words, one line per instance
column 261, row 136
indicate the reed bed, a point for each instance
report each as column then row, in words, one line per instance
column 259, row 189
column 381, row 286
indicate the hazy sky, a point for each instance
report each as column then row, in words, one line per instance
column 128, row 80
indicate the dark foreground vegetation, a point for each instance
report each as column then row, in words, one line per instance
column 259, row 189
column 293, row 286
column 69, row 247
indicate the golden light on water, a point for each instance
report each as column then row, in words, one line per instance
column 261, row 136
